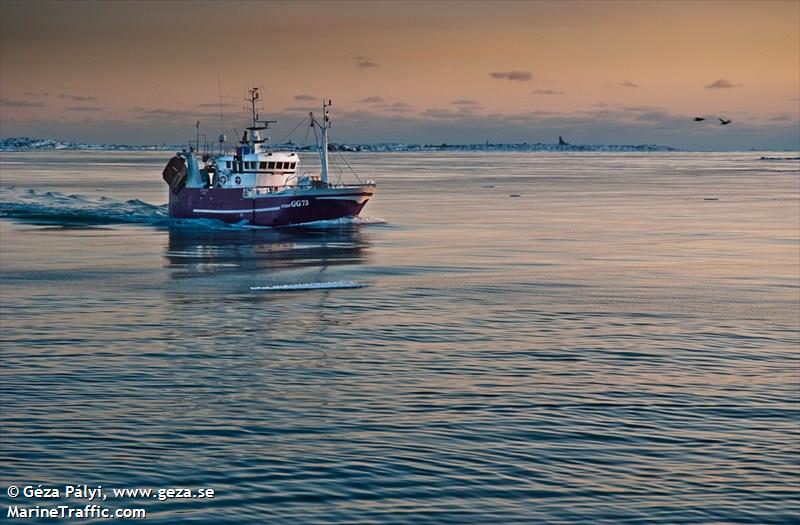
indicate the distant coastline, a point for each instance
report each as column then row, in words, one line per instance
column 37, row 144
column 32, row 144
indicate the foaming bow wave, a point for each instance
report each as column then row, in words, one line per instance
column 53, row 207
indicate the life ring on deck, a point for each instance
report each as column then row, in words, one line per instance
column 223, row 179
column 237, row 180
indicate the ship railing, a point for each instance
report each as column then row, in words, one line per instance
column 249, row 193
column 262, row 191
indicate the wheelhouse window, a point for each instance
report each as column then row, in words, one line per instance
column 292, row 165
column 271, row 165
column 263, row 165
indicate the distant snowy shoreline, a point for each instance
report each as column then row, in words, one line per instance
column 36, row 144
column 27, row 144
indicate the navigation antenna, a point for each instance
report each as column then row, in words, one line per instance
column 253, row 137
column 222, row 138
column 254, row 96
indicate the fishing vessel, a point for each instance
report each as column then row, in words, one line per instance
column 259, row 185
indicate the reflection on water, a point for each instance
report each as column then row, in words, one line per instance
column 260, row 251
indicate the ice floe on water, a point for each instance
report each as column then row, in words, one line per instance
column 343, row 221
column 308, row 286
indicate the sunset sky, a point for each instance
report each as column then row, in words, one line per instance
column 420, row 72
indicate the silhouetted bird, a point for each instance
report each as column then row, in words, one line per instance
column 699, row 119
column 723, row 122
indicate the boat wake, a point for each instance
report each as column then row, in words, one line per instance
column 53, row 207
column 308, row 286
column 56, row 208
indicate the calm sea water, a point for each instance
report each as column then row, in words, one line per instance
column 616, row 344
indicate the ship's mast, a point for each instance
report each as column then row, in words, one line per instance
column 256, row 125
column 253, row 128
column 254, row 97
column 323, row 145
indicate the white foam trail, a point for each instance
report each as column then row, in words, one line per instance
column 342, row 221
column 308, row 286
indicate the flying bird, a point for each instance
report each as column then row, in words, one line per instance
column 723, row 122
column 699, row 119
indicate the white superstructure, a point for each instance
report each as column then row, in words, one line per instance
column 254, row 165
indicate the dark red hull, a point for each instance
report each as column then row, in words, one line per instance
column 281, row 209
